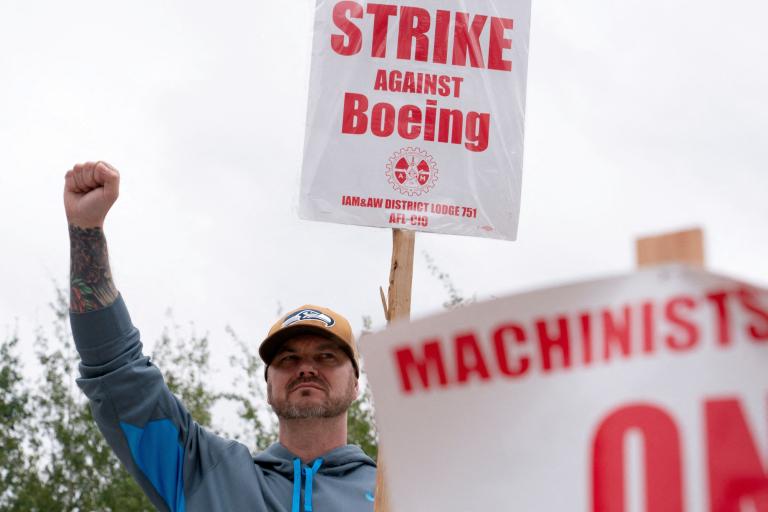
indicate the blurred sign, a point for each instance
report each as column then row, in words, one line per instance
column 643, row 392
column 415, row 115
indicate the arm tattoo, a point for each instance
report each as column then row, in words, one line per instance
column 91, row 285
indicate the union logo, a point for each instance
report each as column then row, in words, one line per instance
column 412, row 172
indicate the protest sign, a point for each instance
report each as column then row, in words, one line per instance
column 647, row 392
column 415, row 115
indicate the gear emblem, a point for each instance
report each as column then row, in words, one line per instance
column 412, row 171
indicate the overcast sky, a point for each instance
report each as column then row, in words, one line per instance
column 642, row 117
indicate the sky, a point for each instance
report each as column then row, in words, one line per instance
column 641, row 118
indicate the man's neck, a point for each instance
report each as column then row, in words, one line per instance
column 311, row 438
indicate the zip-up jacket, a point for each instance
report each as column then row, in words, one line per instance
column 181, row 466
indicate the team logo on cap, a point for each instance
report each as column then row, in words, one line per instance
column 308, row 314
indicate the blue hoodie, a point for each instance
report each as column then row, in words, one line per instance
column 180, row 465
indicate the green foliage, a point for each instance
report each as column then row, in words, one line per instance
column 361, row 429
column 258, row 427
column 184, row 361
column 14, row 415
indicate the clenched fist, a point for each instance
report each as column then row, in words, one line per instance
column 90, row 190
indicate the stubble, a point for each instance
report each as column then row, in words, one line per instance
column 287, row 408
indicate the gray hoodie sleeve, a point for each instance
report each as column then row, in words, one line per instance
column 149, row 429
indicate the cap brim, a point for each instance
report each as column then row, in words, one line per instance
column 271, row 345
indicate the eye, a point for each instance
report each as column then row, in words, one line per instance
column 327, row 356
column 287, row 359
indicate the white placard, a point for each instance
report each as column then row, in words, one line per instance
column 415, row 115
column 642, row 392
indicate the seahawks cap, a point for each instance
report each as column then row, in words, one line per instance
column 309, row 319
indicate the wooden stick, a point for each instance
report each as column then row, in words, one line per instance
column 398, row 308
column 401, row 274
column 678, row 247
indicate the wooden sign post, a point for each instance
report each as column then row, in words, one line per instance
column 678, row 247
column 397, row 306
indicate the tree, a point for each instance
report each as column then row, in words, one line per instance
column 184, row 360
column 361, row 429
column 361, row 426
column 14, row 414
column 258, row 427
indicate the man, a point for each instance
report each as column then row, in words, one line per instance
column 312, row 378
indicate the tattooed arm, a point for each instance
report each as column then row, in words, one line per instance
column 90, row 190
column 91, row 285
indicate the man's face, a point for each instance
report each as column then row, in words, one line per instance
column 311, row 377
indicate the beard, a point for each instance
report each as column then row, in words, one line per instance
column 331, row 407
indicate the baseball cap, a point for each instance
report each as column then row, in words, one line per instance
column 310, row 319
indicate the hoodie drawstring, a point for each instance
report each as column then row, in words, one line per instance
column 296, row 485
column 309, row 473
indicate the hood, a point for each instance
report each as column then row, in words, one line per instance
column 338, row 461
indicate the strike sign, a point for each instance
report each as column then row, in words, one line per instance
column 415, row 115
column 647, row 392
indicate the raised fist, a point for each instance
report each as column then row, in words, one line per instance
column 90, row 190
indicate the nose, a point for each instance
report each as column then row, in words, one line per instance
column 307, row 368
